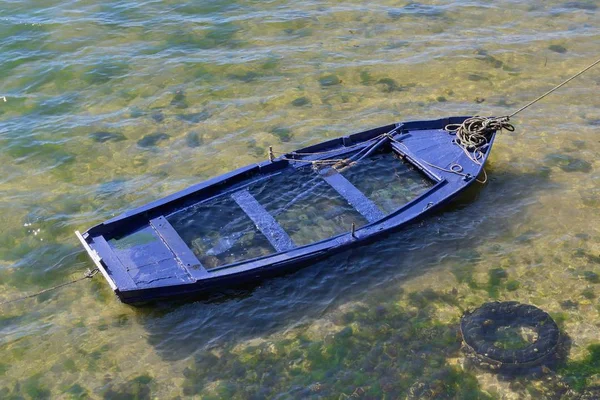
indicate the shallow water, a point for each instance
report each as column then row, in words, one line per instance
column 111, row 105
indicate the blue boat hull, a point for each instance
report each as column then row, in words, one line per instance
column 164, row 265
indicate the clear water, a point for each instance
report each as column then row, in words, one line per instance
column 305, row 206
column 113, row 104
column 220, row 233
column 301, row 202
column 387, row 181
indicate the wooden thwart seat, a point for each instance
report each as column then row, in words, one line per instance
column 355, row 197
column 264, row 221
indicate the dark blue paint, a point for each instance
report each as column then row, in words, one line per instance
column 355, row 197
column 422, row 143
column 264, row 221
column 187, row 259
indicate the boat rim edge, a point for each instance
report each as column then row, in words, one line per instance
column 97, row 260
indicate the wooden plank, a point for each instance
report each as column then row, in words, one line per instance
column 114, row 266
column 355, row 197
column 178, row 247
column 264, row 221
column 96, row 259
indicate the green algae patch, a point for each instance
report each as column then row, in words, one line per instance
column 138, row 388
column 496, row 280
column 512, row 285
column 450, row 383
column 578, row 373
column 591, row 276
column 284, row 134
column 76, row 391
column 34, row 388
column 588, row 293
column 179, row 100
column 358, row 358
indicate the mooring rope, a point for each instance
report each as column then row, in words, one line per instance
column 473, row 134
column 555, row 88
column 336, row 163
column 88, row 275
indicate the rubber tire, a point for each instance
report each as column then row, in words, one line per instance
column 476, row 326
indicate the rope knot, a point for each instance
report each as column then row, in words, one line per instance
column 474, row 132
column 89, row 273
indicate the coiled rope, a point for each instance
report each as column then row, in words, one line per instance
column 474, row 133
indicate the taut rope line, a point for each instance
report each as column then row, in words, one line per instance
column 88, row 275
column 555, row 88
column 473, row 134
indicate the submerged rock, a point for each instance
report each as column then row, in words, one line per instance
column 192, row 139
column 104, row 72
column 591, row 277
column 157, row 116
column 301, row 101
column 568, row 163
column 246, row 77
column 178, row 100
column 594, row 122
column 329, row 80
column 557, row 48
column 136, row 113
column 389, row 85
column 415, row 9
column 344, row 333
column 476, row 77
column 152, row 139
column 489, row 59
column 104, row 136
column 194, row 118
column 136, row 388
column 569, row 305
column 581, row 5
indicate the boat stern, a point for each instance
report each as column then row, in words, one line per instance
column 97, row 260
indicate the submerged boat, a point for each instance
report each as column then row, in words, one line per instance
column 286, row 212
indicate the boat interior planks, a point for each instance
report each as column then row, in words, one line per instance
column 278, row 215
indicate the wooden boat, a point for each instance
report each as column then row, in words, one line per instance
column 284, row 213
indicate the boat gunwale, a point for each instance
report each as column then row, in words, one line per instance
column 297, row 255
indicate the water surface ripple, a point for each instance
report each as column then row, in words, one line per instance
column 108, row 105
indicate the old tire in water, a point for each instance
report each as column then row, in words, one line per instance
column 480, row 330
